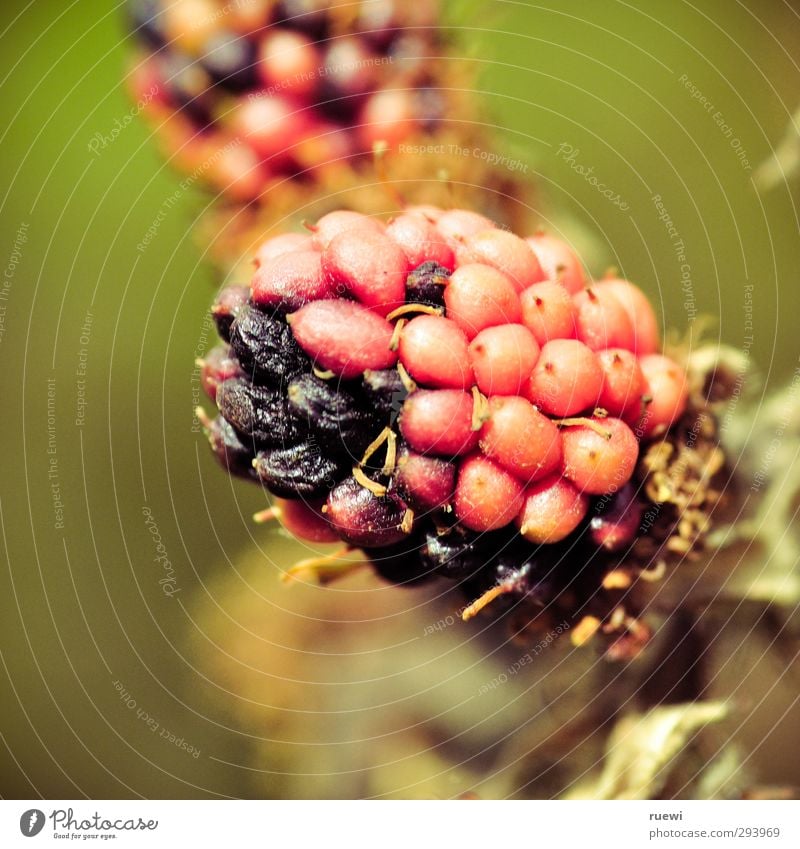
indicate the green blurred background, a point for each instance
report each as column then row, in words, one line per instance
column 98, row 342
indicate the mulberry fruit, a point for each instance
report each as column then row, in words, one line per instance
column 452, row 426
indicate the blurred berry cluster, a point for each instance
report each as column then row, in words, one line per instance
column 247, row 93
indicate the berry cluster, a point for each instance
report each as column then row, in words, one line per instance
column 250, row 91
column 453, row 399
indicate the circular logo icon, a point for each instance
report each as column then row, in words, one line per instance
column 31, row 822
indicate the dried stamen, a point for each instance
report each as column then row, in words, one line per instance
column 617, row 579
column 202, row 417
column 584, row 631
column 480, row 409
column 584, row 421
column 388, row 436
column 408, row 521
column 655, row 574
column 270, row 514
column 405, row 309
column 405, row 378
column 324, row 568
column 374, row 487
column 394, row 342
column 391, row 454
column 487, row 598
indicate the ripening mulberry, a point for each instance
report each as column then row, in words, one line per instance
column 443, row 399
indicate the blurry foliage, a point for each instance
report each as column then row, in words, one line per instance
column 642, row 751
